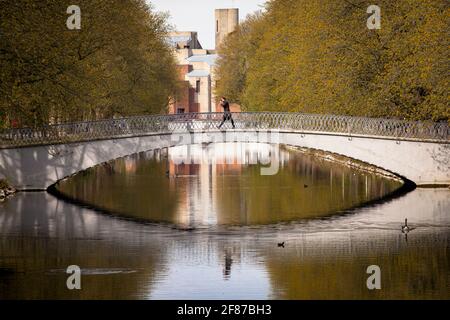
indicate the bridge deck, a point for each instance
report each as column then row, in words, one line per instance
column 176, row 123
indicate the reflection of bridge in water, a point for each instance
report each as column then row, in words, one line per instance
column 213, row 167
column 42, row 233
column 37, row 158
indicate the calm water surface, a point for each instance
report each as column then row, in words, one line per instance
column 194, row 223
column 221, row 184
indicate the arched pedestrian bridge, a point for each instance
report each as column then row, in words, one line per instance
column 37, row 158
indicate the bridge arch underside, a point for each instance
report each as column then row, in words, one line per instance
column 38, row 167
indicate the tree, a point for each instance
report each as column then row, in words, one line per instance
column 234, row 54
column 117, row 64
column 319, row 56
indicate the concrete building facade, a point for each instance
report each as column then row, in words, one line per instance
column 196, row 66
column 227, row 21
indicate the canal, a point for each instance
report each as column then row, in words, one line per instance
column 203, row 222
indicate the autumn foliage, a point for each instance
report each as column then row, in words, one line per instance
column 117, row 64
column 320, row 57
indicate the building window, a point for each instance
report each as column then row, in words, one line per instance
column 180, row 110
column 197, row 86
column 217, row 26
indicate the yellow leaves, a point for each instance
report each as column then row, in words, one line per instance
column 320, row 57
column 117, row 61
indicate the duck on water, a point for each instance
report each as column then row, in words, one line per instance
column 406, row 228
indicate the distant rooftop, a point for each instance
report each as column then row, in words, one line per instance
column 198, row 73
column 175, row 39
column 208, row 58
column 184, row 39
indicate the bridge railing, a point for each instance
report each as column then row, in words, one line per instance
column 149, row 124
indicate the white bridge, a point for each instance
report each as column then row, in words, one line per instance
column 36, row 158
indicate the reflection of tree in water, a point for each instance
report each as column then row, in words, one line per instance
column 337, row 269
column 149, row 186
column 54, row 235
column 304, row 187
column 135, row 186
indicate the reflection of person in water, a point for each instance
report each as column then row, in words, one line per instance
column 227, row 267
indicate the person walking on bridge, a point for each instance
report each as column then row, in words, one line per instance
column 226, row 112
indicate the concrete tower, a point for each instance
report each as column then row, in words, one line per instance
column 226, row 22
